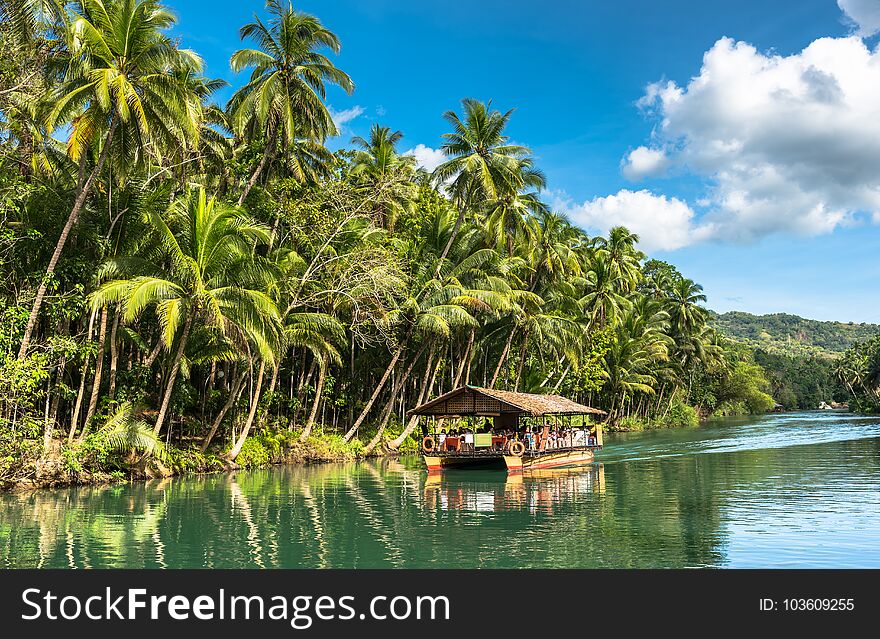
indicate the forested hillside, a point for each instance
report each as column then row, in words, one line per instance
column 781, row 333
column 797, row 354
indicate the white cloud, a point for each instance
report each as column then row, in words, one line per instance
column 662, row 223
column 342, row 118
column 864, row 14
column 644, row 162
column 426, row 157
column 785, row 143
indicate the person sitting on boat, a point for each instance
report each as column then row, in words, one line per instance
column 468, row 439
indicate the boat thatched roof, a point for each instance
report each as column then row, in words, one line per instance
column 473, row 400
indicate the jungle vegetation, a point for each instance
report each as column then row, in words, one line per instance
column 193, row 280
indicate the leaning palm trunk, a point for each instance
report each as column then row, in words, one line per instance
column 234, row 394
column 53, row 413
column 267, row 152
column 80, row 394
column 236, row 448
column 172, row 376
column 62, row 240
column 99, row 369
column 430, row 372
column 114, row 356
column 503, row 357
column 354, row 427
column 465, row 362
column 450, row 241
column 389, row 407
column 522, row 361
column 319, row 388
column 74, row 418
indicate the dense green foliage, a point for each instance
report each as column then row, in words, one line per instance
column 237, row 291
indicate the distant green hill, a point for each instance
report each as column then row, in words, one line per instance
column 785, row 334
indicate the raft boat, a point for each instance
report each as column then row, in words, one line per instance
column 524, row 431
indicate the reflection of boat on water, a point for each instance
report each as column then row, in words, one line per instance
column 527, row 431
column 534, row 491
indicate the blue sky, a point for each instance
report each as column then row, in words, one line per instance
column 741, row 178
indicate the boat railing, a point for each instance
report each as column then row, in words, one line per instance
column 470, row 450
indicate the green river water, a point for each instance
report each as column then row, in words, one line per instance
column 787, row 490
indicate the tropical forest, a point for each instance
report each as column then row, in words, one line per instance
column 191, row 286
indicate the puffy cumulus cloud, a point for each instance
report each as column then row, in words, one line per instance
column 785, row 143
column 864, row 14
column 426, row 157
column 662, row 223
column 644, row 162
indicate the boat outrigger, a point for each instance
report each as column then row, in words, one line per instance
column 526, row 431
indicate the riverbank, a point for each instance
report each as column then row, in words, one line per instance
column 26, row 464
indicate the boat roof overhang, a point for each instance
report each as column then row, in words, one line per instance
column 488, row 402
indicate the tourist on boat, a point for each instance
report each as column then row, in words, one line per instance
column 468, row 439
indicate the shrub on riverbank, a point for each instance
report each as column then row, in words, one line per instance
column 96, row 459
column 678, row 415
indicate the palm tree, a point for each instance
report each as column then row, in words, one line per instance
column 683, row 305
column 482, row 165
column 636, row 348
column 507, row 215
column 387, row 175
column 119, row 95
column 603, row 297
column 622, row 256
column 286, row 91
column 202, row 270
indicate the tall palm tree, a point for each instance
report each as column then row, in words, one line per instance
column 287, row 88
column 387, row 175
column 683, row 305
column 119, row 95
column 202, row 270
column 622, row 256
column 604, row 296
column 507, row 215
column 482, row 166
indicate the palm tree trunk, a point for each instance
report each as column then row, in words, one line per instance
column 449, row 242
column 351, row 431
column 114, row 356
column 267, row 152
column 389, row 407
column 80, row 394
column 430, row 368
column 172, row 376
column 234, row 393
column 561, row 378
column 465, row 362
column 99, row 369
column 151, row 358
column 62, row 240
column 522, row 361
column 236, row 448
column 74, row 418
column 53, row 413
column 322, row 373
column 503, row 357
